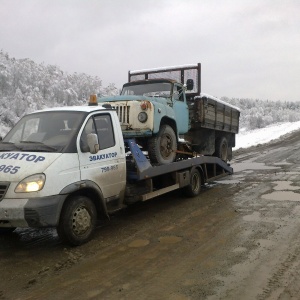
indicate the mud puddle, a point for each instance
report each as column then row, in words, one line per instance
column 282, row 196
column 250, row 165
column 283, row 191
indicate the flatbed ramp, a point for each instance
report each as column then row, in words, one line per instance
column 147, row 181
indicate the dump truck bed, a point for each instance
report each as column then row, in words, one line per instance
column 212, row 113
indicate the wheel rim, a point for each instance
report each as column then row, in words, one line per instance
column 195, row 182
column 81, row 221
column 166, row 144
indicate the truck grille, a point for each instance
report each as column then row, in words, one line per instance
column 3, row 189
column 123, row 113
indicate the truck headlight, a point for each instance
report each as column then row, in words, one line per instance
column 142, row 117
column 33, row 183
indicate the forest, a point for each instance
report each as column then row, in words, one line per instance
column 257, row 113
column 26, row 86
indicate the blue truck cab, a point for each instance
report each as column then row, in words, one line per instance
column 155, row 112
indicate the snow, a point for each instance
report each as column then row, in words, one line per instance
column 216, row 99
column 250, row 138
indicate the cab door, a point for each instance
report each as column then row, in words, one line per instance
column 106, row 168
column 181, row 109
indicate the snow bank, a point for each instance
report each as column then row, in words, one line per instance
column 250, row 138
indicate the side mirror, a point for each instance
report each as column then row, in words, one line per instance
column 92, row 140
column 189, row 84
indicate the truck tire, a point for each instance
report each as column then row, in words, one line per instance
column 194, row 188
column 162, row 147
column 77, row 221
column 222, row 148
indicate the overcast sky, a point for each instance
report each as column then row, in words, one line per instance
column 246, row 48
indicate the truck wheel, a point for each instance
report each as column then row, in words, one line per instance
column 162, row 147
column 77, row 221
column 194, row 188
column 222, row 148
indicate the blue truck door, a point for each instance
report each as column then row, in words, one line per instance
column 181, row 109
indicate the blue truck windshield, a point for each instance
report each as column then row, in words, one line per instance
column 157, row 89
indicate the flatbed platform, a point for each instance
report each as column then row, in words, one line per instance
column 147, row 181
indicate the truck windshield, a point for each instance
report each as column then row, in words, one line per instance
column 49, row 131
column 151, row 89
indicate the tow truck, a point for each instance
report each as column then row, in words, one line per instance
column 67, row 167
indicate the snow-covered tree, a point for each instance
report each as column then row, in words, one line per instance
column 19, row 101
column 258, row 113
column 26, row 86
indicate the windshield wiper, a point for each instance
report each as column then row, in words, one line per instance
column 31, row 142
column 39, row 144
column 8, row 146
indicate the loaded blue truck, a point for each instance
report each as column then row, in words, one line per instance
column 165, row 111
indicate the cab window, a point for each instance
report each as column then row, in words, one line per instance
column 178, row 93
column 102, row 126
column 105, row 131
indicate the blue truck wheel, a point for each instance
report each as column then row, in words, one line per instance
column 162, row 147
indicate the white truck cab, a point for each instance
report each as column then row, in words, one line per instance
column 55, row 163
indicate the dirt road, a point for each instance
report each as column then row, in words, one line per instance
column 238, row 240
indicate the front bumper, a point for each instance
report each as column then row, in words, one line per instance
column 33, row 212
column 137, row 133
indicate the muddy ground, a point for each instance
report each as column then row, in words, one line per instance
column 238, row 240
